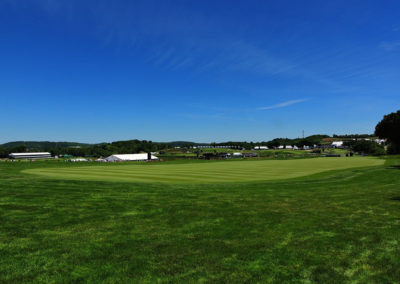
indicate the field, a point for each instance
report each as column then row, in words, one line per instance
column 319, row 220
column 222, row 171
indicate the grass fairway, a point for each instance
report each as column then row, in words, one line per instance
column 341, row 226
column 209, row 172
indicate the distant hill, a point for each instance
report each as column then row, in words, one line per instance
column 183, row 143
column 43, row 145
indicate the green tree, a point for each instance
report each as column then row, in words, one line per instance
column 389, row 128
column 17, row 149
column 3, row 153
column 366, row 147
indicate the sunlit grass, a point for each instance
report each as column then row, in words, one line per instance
column 332, row 227
column 230, row 171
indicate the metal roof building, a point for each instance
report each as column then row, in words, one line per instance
column 31, row 156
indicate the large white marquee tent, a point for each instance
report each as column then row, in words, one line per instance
column 130, row 157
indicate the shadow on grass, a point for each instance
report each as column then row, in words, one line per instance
column 395, row 198
column 394, row 167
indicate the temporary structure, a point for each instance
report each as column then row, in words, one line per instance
column 131, row 157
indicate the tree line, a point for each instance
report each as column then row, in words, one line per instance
column 107, row 149
column 97, row 150
column 388, row 128
column 355, row 136
column 137, row 146
column 307, row 141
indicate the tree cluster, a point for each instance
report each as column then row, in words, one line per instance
column 389, row 128
column 365, row 147
column 307, row 141
column 355, row 136
column 106, row 149
column 5, row 151
column 136, row 146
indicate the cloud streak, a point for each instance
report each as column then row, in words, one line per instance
column 284, row 104
column 389, row 46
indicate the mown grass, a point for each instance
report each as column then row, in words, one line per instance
column 227, row 171
column 337, row 226
column 337, row 151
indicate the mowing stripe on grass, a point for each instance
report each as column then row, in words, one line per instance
column 230, row 171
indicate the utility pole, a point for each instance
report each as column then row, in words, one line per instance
column 303, row 134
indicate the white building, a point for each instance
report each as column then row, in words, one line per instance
column 380, row 141
column 130, row 157
column 78, row 160
column 31, row 156
column 337, row 144
column 261, row 148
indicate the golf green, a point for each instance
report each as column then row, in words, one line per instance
column 210, row 172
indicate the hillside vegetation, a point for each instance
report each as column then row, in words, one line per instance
column 136, row 146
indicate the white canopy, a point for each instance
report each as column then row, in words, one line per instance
column 130, row 157
column 337, row 143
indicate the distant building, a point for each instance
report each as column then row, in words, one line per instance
column 78, row 160
column 250, row 155
column 218, row 146
column 337, row 144
column 261, row 148
column 380, row 141
column 31, row 156
column 237, row 155
column 131, row 157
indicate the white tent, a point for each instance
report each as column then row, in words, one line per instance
column 337, row 144
column 261, row 148
column 130, row 157
column 380, row 141
column 78, row 160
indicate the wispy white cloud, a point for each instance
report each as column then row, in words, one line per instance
column 183, row 38
column 389, row 46
column 284, row 104
column 237, row 55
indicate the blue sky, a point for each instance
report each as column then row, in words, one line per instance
column 205, row 71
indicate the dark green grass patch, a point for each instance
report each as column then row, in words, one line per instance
column 338, row 226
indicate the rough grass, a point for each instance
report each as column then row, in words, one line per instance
column 211, row 172
column 334, row 227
